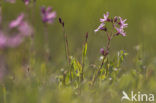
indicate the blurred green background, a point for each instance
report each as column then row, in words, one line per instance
column 81, row 16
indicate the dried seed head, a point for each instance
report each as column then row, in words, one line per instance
column 61, row 22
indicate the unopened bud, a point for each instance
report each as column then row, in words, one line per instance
column 104, row 28
column 86, row 36
column 102, row 51
column 115, row 19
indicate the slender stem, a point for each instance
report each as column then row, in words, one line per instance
column 47, row 51
column 83, row 58
column 107, row 50
column 66, row 46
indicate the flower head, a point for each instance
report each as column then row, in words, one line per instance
column 17, row 21
column 14, row 41
column 120, row 31
column 26, row 2
column 100, row 27
column 23, row 29
column 122, row 23
column 3, row 40
column 48, row 15
column 102, row 51
column 115, row 19
column 105, row 17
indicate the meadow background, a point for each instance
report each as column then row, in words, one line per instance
column 80, row 16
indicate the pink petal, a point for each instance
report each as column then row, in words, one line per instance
column 14, row 41
column 3, row 40
column 51, row 15
column 17, row 22
column 25, row 29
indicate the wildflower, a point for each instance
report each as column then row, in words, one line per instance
column 25, row 29
column 105, row 17
column 115, row 19
column 100, row 27
column 101, row 58
column 3, row 40
column 102, row 51
column 122, row 23
column 26, row 2
column 120, row 31
column 48, row 15
column 14, row 41
column 17, row 21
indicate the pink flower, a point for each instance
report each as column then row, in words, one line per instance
column 17, row 21
column 102, row 51
column 14, row 41
column 25, row 29
column 3, row 40
column 26, row 2
column 120, row 31
column 100, row 27
column 48, row 15
column 122, row 23
column 105, row 17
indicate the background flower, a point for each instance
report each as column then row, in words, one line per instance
column 48, row 15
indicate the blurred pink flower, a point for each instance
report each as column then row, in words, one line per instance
column 102, row 51
column 48, row 15
column 25, row 29
column 14, row 41
column 3, row 40
column 17, row 21
column 100, row 27
column 26, row 2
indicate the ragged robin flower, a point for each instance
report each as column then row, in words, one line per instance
column 48, row 15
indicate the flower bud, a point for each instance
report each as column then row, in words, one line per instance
column 86, row 36
column 102, row 51
column 115, row 19
column 103, row 28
